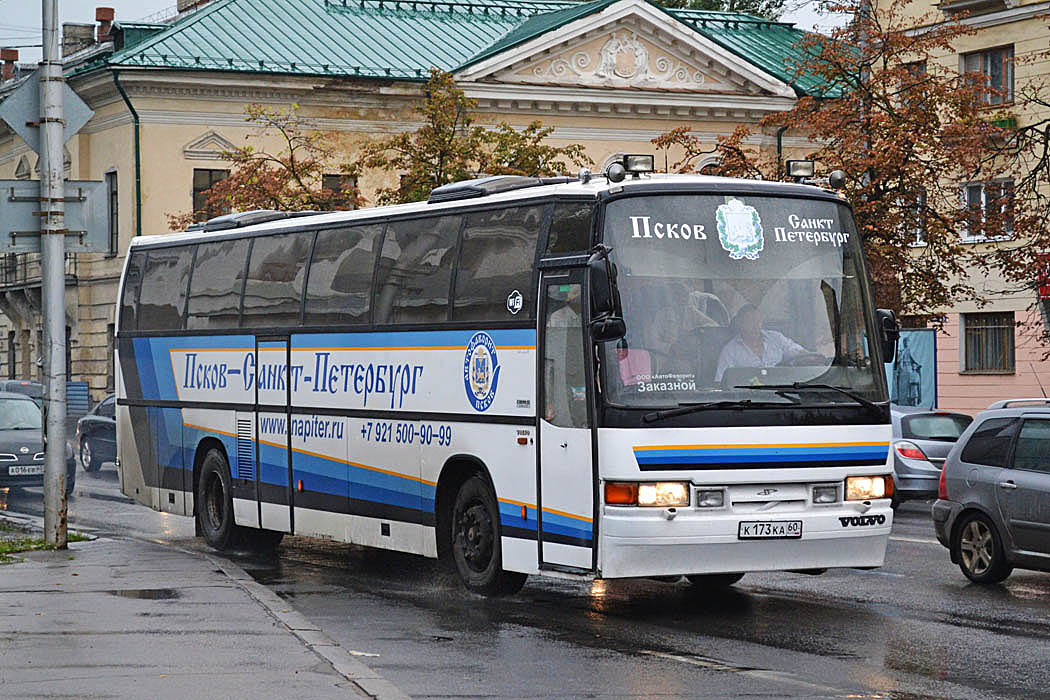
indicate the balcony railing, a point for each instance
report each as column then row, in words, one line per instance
column 24, row 269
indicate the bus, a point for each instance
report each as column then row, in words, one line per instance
column 622, row 374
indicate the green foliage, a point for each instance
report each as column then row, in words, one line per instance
column 450, row 146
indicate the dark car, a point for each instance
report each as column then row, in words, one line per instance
column 993, row 507
column 922, row 439
column 97, row 435
column 34, row 390
column 22, row 444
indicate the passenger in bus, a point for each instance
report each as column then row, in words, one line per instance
column 753, row 346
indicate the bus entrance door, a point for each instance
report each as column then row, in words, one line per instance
column 273, row 447
column 565, row 502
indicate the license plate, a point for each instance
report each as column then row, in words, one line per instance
column 26, row 470
column 770, row 530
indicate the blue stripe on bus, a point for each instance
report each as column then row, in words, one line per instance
column 756, row 455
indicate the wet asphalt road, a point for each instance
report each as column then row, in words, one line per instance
column 914, row 629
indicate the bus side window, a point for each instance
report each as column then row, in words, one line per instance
column 570, row 228
column 494, row 277
column 273, row 291
column 215, row 287
column 415, row 268
column 130, row 296
column 564, row 376
column 339, row 290
column 164, row 281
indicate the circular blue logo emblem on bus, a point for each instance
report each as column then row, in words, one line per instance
column 481, row 371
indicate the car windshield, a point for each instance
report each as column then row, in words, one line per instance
column 19, row 414
column 720, row 292
column 946, row 427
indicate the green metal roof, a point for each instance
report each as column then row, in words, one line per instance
column 373, row 38
column 404, row 39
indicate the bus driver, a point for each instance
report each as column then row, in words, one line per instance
column 754, row 347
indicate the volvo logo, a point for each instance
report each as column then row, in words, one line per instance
column 862, row 520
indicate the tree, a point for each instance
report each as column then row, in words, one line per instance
column 769, row 9
column 450, row 146
column 290, row 180
column 911, row 136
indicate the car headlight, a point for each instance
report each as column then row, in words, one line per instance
column 867, row 488
column 652, row 494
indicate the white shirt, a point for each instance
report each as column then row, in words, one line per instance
column 775, row 347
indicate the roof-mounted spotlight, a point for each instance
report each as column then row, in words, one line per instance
column 800, row 168
column 836, row 179
column 638, row 164
column 615, row 172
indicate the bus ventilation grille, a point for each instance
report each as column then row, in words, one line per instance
column 245, row 450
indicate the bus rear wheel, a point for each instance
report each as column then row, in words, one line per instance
column 475, row 537
column 713, row 582
column 215, row 502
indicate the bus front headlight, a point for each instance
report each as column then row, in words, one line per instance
column 663, row 493
column 867, row 488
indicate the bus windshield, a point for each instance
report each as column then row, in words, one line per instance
column 724, row 296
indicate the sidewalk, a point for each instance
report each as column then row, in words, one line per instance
column 122, row 618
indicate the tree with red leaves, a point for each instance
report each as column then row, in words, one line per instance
column 290, row 180
column 933, row 160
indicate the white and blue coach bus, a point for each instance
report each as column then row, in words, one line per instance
column 616, row 375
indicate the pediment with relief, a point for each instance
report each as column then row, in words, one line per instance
column 618, row 59
column 629, row 45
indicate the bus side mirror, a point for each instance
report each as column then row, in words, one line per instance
column 606, row 313
column 890, row 331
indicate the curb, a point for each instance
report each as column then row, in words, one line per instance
column 361, row 675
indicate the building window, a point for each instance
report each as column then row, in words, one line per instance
column 996, row 66
column 111, row 193
column 988, row 342
column 913, row 84
column 203, row 180
column 916, row 207
column 11, row 348
column 990, row 209
column 344, row 188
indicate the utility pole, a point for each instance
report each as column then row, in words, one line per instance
column 53, row 283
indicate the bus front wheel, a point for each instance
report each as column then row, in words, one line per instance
column 215, row 502
column 476, row 547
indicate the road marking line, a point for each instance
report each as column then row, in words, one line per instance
column 761, row 673
column 917, row 540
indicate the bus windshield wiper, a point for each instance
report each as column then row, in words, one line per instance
column 799, row 387
column 684, row 408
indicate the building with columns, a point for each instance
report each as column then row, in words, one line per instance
column 169, row 99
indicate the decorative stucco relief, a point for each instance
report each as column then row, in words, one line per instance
column 621, row 60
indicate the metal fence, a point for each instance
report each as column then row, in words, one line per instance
column 23, row 269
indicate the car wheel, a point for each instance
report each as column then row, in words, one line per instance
column 215, row 502
column 89, row 459
column 713, row 582
column 475, row 540
column 979, row 550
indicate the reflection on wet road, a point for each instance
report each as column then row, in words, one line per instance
column 913, row 629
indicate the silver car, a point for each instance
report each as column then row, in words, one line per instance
column 993, row 507
column 922, row 439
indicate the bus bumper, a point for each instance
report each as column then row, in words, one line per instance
column 637, row 542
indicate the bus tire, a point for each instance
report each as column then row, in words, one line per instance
column 475, row 539
column 215, row 502
column 713, row 582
